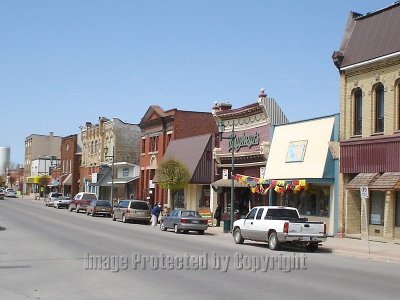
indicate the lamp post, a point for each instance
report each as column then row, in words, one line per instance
column 221, row 129
column 112, row 171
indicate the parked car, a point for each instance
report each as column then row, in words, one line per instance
column 132, row 210
column 11, row 193
column 277, row 225
column 62, row 201
column 99, row 207
column 184, row 220
column 1, row 194
column 50, row 199
column 81, row 201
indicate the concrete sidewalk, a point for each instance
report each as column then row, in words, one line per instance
column 388, row 251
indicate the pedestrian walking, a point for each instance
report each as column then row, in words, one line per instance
column 217, row 215
column 155, row 213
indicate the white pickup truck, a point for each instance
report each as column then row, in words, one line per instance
column 277, row 225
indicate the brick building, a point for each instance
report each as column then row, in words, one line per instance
column 42, row 149
column 159, row 128
column 369, row 67
column 69, row 165
column 110, row 157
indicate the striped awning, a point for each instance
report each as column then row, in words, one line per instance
column 387, row 181
column 362, row 179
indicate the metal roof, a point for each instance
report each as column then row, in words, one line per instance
column 371, row 36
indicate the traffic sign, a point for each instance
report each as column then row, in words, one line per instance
column 364, row 192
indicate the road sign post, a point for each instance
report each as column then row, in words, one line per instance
column 364, row 195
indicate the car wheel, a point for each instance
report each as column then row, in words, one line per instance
column 113, row 217
column 201, row 232
column 162, row 226
column 273, row 242
column 237, row 236
column 124, row 220
column 176, row 230
column 312, row 247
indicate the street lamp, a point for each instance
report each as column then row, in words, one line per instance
column 221, row 129
column 112, row 171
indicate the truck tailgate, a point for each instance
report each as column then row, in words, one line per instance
column 307, row 228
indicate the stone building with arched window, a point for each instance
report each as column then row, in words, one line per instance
column 369, row 66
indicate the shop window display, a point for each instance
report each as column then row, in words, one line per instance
column 377, row 208
column 313, row 202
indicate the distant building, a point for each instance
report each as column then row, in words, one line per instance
column 4, row 160
column 369, row 67
column 71, row 151
column 107, row 144
column 159, row 128
column 43, row 148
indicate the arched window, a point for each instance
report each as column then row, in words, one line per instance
column 398, row 103
column 379, row 108
column 357, row 111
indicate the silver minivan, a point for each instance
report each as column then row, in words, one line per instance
column 132, row 210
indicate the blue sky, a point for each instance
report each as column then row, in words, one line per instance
column 67, row 62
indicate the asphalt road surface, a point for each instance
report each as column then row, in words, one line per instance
column 48, row 253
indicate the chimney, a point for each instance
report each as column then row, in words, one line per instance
column 51, row 134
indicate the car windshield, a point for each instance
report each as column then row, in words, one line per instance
column 190, row 213
column 64, row 198
column 104, row 203
column 89, row 197
column 56, row 195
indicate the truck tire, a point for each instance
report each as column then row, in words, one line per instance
column 312, row 247
column 237, row 236
column 273, row 242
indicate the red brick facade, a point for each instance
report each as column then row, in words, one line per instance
column 158, row 129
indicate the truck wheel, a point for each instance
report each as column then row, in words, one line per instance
column 237, row 236
column 312, row 247
column 273, row 242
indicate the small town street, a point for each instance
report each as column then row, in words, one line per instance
column 47, row 253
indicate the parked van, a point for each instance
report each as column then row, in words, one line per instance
column 132, row 210
column 81, row 201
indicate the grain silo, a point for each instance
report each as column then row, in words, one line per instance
column 4, row 160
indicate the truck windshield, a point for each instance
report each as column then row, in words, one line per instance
column 281, row 213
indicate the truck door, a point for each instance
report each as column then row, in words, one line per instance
column 258, row 227
column 247, row 231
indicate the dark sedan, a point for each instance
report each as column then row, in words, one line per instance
column 184, row 220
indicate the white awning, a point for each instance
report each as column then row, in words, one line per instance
column 123, row 180
column 68, row 180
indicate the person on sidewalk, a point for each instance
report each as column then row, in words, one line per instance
column 155, row 213
column 217, row 215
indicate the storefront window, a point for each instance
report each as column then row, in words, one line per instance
column 397, row 212
column 179, row 199
column 377, row 208
column 205, row 197
column 313, row 202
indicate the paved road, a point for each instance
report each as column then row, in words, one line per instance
column 47, row 253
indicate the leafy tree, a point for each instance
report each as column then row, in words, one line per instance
column 173, row 175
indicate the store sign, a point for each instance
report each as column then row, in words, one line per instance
column 244, row 141
column 125, row 172
column 225, row 174
column 94, row 177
